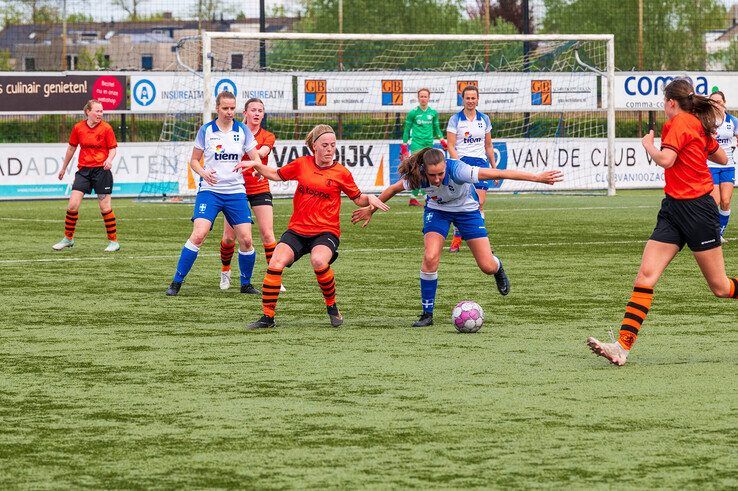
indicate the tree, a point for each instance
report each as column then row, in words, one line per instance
column 93, row 61
column 728, row 57
column 5, row 65
column 11, row 15
column 673, row 31
column 387, row 16
column 131, row 7
column 500, row 10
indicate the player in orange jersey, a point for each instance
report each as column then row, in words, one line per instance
column 98, row 145
column 688, row 213
column 257, row 192
column 314, row 227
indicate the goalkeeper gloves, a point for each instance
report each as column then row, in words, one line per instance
column 444, row 143
column 404, row 153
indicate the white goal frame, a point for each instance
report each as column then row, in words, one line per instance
column 609, row 74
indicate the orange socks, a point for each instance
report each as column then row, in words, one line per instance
column 327, row 285
column 109, row 219
column 70, row 222
column 268, row 251
column 226, row 254
column 733, row 287
column 635, row 313
column 270, row 291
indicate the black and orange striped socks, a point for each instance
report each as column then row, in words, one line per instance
column 110, row 227
column 269, row 250
column 270, row 291
column 635, row 313
column 226, row 255
column 327, row 285
column 70, row 223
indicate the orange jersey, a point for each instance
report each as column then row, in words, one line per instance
column 317, row 203
column 689, row 177
column 95, row 143
column 255, row 184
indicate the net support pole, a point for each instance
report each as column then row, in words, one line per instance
column 207, row 76
column 611, row 116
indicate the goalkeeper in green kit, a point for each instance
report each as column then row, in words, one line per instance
column 421, row 127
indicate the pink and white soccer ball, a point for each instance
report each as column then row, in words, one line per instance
column 467, row 316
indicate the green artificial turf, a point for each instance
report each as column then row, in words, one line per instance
column 107, row 383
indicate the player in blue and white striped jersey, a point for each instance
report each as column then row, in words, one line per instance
column 220, row 144
column 451, row 199
column 469, row 135
column 723, row 176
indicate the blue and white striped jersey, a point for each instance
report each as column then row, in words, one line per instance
column 725, row 137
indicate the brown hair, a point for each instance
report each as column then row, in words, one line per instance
column 681, row 91
column 413, row 167
column 316, row 133
column 88, row 105
column 224, row 95
column 251, row 101
column 468, row 88
column 424, row 89
column 720, row 93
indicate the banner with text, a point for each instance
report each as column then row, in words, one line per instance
column 183, row 93
column 54, row 93
column 397, row 91
column 644, row 91
column 30, row 171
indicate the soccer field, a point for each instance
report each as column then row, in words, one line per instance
column 108, row 383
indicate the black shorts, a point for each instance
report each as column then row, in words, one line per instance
column 302, row 244
column 88, row 178
column 261, row 199
column 693, row 222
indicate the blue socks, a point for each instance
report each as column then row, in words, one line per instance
column 724, row 219
column 186, row 260
column 428, row 285
column 246, row 262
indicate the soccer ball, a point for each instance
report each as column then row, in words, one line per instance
column 467, row 316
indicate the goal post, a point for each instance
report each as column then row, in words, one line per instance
column 550, row 98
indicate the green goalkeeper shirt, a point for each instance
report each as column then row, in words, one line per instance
column 421, row 127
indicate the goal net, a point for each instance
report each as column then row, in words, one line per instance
column 549, row 98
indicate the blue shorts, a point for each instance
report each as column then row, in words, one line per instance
column 235, row 207
column 723, row 174
column 470, row 223
column 477, row 162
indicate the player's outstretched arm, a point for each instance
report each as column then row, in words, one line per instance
column 365, row 213
column 547, row 177
column 266, row 171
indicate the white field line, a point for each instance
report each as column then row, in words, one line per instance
column 342, row 251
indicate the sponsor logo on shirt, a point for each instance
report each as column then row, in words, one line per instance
column 221, row 155
column 301, row 188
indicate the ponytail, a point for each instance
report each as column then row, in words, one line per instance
column 682, row 91
column 413, row 167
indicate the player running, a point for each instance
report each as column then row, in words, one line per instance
column 222, row 142
column 98, row 145
column 422, row 126
column 451, row 200
column 723, row 176
column 314, row 227
column 688, row 214
column 469, row 134
column 257, row 192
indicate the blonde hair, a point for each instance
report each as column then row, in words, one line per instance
column 316, row 133
column 224, row 95
column 88, row 105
